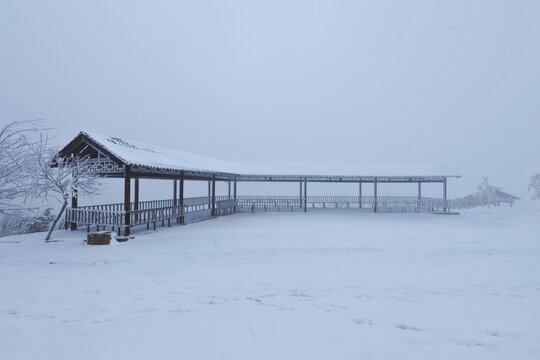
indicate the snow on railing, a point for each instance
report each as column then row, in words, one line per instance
column 155, row 211
column 95, row 217
column 226, row 206
column 390, row 203
column 153, row 204
column 149, row 212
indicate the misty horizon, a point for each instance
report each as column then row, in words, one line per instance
column 454, row 84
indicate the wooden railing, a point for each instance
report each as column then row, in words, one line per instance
column 383, row 203
column 165, row 211
column 153, row 216
column 269, row 201
column 226, row 206
column 82, row 216
column 194, row 202
column 297, row 202
column 86, row 217
column 149, row 212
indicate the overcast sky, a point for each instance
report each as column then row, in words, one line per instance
column 452, row 82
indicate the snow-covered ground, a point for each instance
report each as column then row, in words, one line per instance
column 329, row 284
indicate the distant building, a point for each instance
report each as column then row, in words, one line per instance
column 489, row 195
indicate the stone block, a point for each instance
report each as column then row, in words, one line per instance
column 99, row 238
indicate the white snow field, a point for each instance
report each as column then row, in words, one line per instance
column 327, row 284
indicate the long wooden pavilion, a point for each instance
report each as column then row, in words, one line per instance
column 115, row 157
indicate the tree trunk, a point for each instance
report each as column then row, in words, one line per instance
column 56, row 221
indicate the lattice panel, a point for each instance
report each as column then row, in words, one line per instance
column 103, row 167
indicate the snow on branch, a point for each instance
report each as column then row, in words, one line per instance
column 16, row 139
column 486, row 193
column 534, row 185
column 60, row 177
column 30, row 169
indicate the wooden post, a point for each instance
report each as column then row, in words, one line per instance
column 229, row 190
column 209, row 195
column 419, row 195
column 444, row 192
column 305, row 194
column 234, row 193
column 375, row 195
column 182, row 197
column 175, row 201
column 127, row 198
column 300, row 198
column 136, row 204
column 360, row 195
column 74, row 200
column 213, row 195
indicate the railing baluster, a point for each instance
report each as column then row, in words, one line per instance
column 164, row 210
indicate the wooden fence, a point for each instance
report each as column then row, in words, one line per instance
column 382, row 203
column 149, row 213
column 152, row 212
column 194, row 202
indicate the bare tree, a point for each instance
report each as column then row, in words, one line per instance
column 60, row 177
column 16, row 140
column 534, row 185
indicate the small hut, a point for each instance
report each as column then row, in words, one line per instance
column 489, row 195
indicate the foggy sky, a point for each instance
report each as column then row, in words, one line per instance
column 452, row 82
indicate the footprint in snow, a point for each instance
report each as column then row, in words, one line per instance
column 142, row 311
column 180, row 311
column 71, row 321
column 298, row 295
column 477, row 344
column 363, row 322
column 407, row 327
column 497, row 334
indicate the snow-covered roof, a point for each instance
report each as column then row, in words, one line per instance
column 135, row 153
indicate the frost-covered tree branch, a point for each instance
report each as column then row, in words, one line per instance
column 16, row 178
column 486, row 193
column 534, row 185
column 60, row 177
